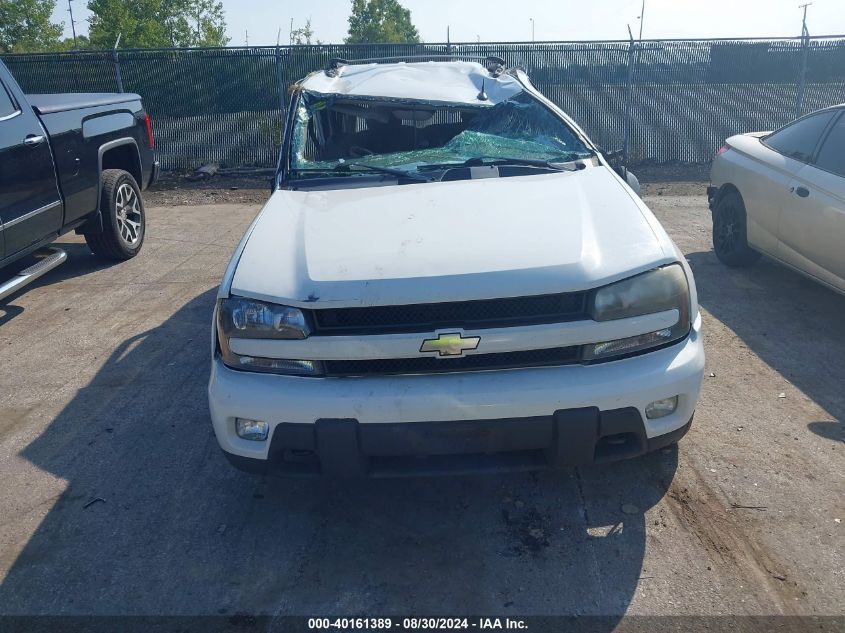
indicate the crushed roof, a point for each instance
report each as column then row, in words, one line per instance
column 445, row 82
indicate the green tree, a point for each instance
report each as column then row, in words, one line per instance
column 379, row 22
column 25, row 26
column 68, row 44
column 157, row 23
column 209, row 22
column 303, row 35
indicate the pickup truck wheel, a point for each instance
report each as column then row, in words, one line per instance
column 729, row 232
column 124, row 220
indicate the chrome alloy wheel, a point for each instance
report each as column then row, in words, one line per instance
column 128, row 214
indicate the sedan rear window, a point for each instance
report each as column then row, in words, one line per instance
column 798, row 140
column 832, row 154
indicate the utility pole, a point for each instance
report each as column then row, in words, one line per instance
column 802, row 70
column 642, row 19
column 629, row 96
column 532, row 28
column 804, row 31
column 633, row 61
column 117, row 75
column 72, row 21
column 291, row 32
column 246, row 37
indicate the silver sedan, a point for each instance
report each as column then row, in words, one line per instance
column 782, row 194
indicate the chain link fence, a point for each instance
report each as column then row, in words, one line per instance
column 661, row 100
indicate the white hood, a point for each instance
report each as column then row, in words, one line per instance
column 449, row 241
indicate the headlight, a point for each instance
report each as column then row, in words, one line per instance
column 251, row 319
column 658, row 290
column 246, row 318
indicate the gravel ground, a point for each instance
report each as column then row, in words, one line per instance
column 116, row 499
column 174, row 189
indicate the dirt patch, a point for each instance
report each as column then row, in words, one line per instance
column 673, row 189
column 528, row 528
column 173, row 189
column 730, row 540
column 671, row 172
column 676, row 179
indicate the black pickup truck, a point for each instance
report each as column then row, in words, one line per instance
column 70, row 162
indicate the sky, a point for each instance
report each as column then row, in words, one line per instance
column 507, row 20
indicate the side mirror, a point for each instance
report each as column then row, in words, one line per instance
column 632, row 180
column 614, row 159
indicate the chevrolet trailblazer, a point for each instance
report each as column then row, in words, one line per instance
column 448, row 277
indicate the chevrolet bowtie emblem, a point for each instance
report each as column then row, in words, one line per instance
column 450, row 344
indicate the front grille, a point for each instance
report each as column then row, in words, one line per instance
column 426, row 317
column 475, row 362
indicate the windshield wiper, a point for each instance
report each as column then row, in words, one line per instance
column 483, row 161
column 346, row 167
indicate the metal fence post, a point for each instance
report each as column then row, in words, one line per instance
column 280, row 79
column 802, row 74
column 117, row 75
column 629, row 98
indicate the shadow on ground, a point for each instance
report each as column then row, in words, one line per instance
column 154, row 521
column 792, row 323
column 80, row 262
column 829, row 429
column 9, row 312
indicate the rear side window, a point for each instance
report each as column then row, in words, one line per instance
column 799, row 139
column 7, row 107
column 832, row 154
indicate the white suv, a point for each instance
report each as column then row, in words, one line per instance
column 449, row 277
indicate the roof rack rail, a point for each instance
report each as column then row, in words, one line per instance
column 494, row 65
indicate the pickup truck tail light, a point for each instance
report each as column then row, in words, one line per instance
column 150, row 139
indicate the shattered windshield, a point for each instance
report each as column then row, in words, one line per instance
column 330, row 131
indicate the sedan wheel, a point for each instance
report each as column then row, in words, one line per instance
column 729, row 232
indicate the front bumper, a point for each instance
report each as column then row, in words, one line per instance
column 461, row 422
column 347, row 448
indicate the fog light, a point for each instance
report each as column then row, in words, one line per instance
column 661, row 408
column 253, row 430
